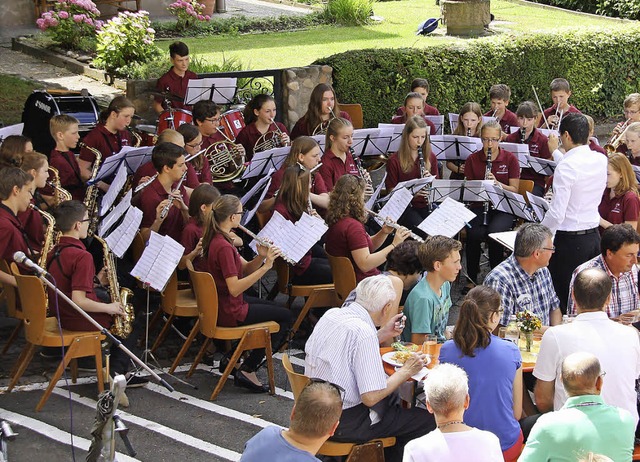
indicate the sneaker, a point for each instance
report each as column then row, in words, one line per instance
column 135, row 381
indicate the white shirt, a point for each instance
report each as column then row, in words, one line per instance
column 615, row 345
column 578, row 183
column 344, row 350
column 476, row 445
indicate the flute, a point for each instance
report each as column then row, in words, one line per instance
column 393, row 224
column 141, row 186
column 165, row 210
column 265, row 243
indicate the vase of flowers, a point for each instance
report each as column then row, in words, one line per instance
column 527, row 323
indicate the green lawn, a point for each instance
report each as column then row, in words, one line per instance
column 401, row 18
column 13, row 94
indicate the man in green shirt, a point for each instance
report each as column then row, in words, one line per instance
column 585, row 423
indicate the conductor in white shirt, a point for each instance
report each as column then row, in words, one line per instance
column 578, row 183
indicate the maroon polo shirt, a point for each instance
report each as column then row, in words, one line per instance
column 333, row 168
column 619, row 209
column 347, row 235
column 191, row 234
column 301, row 128
column 146, row 169
column 250, row 135
column 426, row 110
column 596, row 147
column 552, row 111
column 538, row 147
column 33, row 226
column 73, row 269
column 150, row 197
column 504, row 167
column 104, row 141
column 402, row 119
column 13, row 235
column 509, row 119
column 69, row 173
column 317, row 183
column 305, row 262
column 195, row 177
column 224, row 262
column 176, row 86
column 396, row 175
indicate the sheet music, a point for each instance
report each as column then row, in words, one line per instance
column 134, row 158
column 11, row 130
column 224, row 90
column 448, row 219
column 517, row 149
column 453, row 120
column 471, row 190
column 246, row 218
column 513, row 129
column 113, row 216
column 544, row 167
column 438, row 121
column 539, row 206
column 114, row 189
column 395, row 206
column 122, row 237
column 454, row 147
column 374, row 197
column 108, row 167
column 546, row 132
column 414, row 185
column 371, row 141
column 396, row 138
column 506, row 238
column 244, row 199
column 509, row 202
column 158, row 261
column 264, row 160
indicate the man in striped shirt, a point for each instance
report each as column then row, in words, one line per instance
column 618, row 258
column 344, row 349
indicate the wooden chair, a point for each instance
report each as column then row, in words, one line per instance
column 43, row 331
column 250, row 337
column 318, row 295
column 344, row 276
column 355, row 112
column 329, row 448
column 10, row 296
column 525, row 186
column 636, row 452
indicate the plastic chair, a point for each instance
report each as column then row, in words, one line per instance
column 330, row 448
column 318, row 295
column 355, row 112
column 43, row 331
column 10, row 296
column 344, row 276
column 250, row 337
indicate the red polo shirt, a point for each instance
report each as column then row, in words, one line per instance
column 395, row 175
column 69, row 172
column 508, row 120
column 333, row 168
column 33, row 226
column 538, row 147
column 552, row 111
column 597, row 148
column 195, row 178
column 347, row 235
column 619, row 209
column 191, row 234
column 176, row 86
column 301, row 128
column 104, row 141
column 150, row 197
column 250, row 135
column 13, row 236
column 224, row 262
column 402, row 119
column 317, row 183
column 73, row 269
column 504, row 167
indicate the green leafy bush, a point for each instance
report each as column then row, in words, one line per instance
column 600, row 65
column 349, row 12
column 72, row 24
column 124, row 42
column 629, row 9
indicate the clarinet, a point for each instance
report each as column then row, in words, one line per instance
column 469, row 132
column 423, row 167
column 487, row 172
column 523, row 135
column 362, row 171
column 165, row 211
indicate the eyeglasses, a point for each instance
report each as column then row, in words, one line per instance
column 239, row 213
column 490, row 140
column 628, row 111
column 213, row 119
column 195, row 145
column 337, row 387
column 550, row 249
column 85, row 220
column 602, row 374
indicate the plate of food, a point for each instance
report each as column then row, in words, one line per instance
column 401, row 353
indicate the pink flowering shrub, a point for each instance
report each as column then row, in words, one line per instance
column 188, row 12
column 71, row 23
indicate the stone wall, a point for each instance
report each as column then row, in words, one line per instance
column 298, row 82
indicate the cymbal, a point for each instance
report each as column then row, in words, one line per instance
column 169, row 96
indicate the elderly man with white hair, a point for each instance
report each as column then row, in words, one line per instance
column 447, row 391
column 344, row 349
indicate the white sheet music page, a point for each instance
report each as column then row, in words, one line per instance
column 267, row 178
column 135, row 157
column 506, row 238
column 309, row 229
column 395, row 206
column 122, row 237
column 113, row 216
column 246, row 218
column 276, row 227
column 114, row 189
column 414, row 185
column 374, row 197
column 448, row 219
column 539, row 206
column 158, row 261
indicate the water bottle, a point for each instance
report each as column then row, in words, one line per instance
column 513, row 332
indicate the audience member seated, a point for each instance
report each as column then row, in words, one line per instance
column 585, row 422
column 523, row 280
column 344, row 349
column 447, row 391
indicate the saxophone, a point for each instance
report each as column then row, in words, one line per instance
column 60, row 194
column 91, row 196
column 51, row 236
column 122, row 325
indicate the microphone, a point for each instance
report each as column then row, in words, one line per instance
column 20, row 257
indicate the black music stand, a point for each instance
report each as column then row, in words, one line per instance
column 437, row 121
column 509, row 202
column 458, row 190
column 396, row 138
column 541, row 166
column 264, row 160
column 219, row 90
column 137, row 157
column 371, row 142
column 371, row 202
column 538, row 206
column 264, row 183
column 454, row 148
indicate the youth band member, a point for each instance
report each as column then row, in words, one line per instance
column 469, row 124
column 36, row 165
column 347, row 236
column 323, row 106
column 206, row 117
column 147, row 170
column 175, row 81
column 199, row 168
column 421, row 86
column 405, row 165
column 505, row 172
column 620, row 202
column 337, row 159
column 413, row 106
column 538, row 143
column 631, row 111
column 593, row 141
column 233, row 275
column 108, row 136
column 560, row 94
column 200, row 206
column 259, row 115
column 305, row 153
column 291, row 203
column 64, row 130
column 632, row 143
column 12, row 148
column 500, row 95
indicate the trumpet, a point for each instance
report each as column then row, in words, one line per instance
column 265, row 243
column 165, row 210
column 616, row 139
column 393, row 224
column 556, row 125
column 487, row 172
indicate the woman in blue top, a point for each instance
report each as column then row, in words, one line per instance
column 494, row 367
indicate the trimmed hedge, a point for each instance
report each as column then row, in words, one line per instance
column 601, row 66
column 629, row 9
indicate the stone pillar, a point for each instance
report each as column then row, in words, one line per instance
column 298, row 83
column 466, row 17
column 18, row 17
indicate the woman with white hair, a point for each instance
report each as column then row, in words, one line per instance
column 447, row 391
